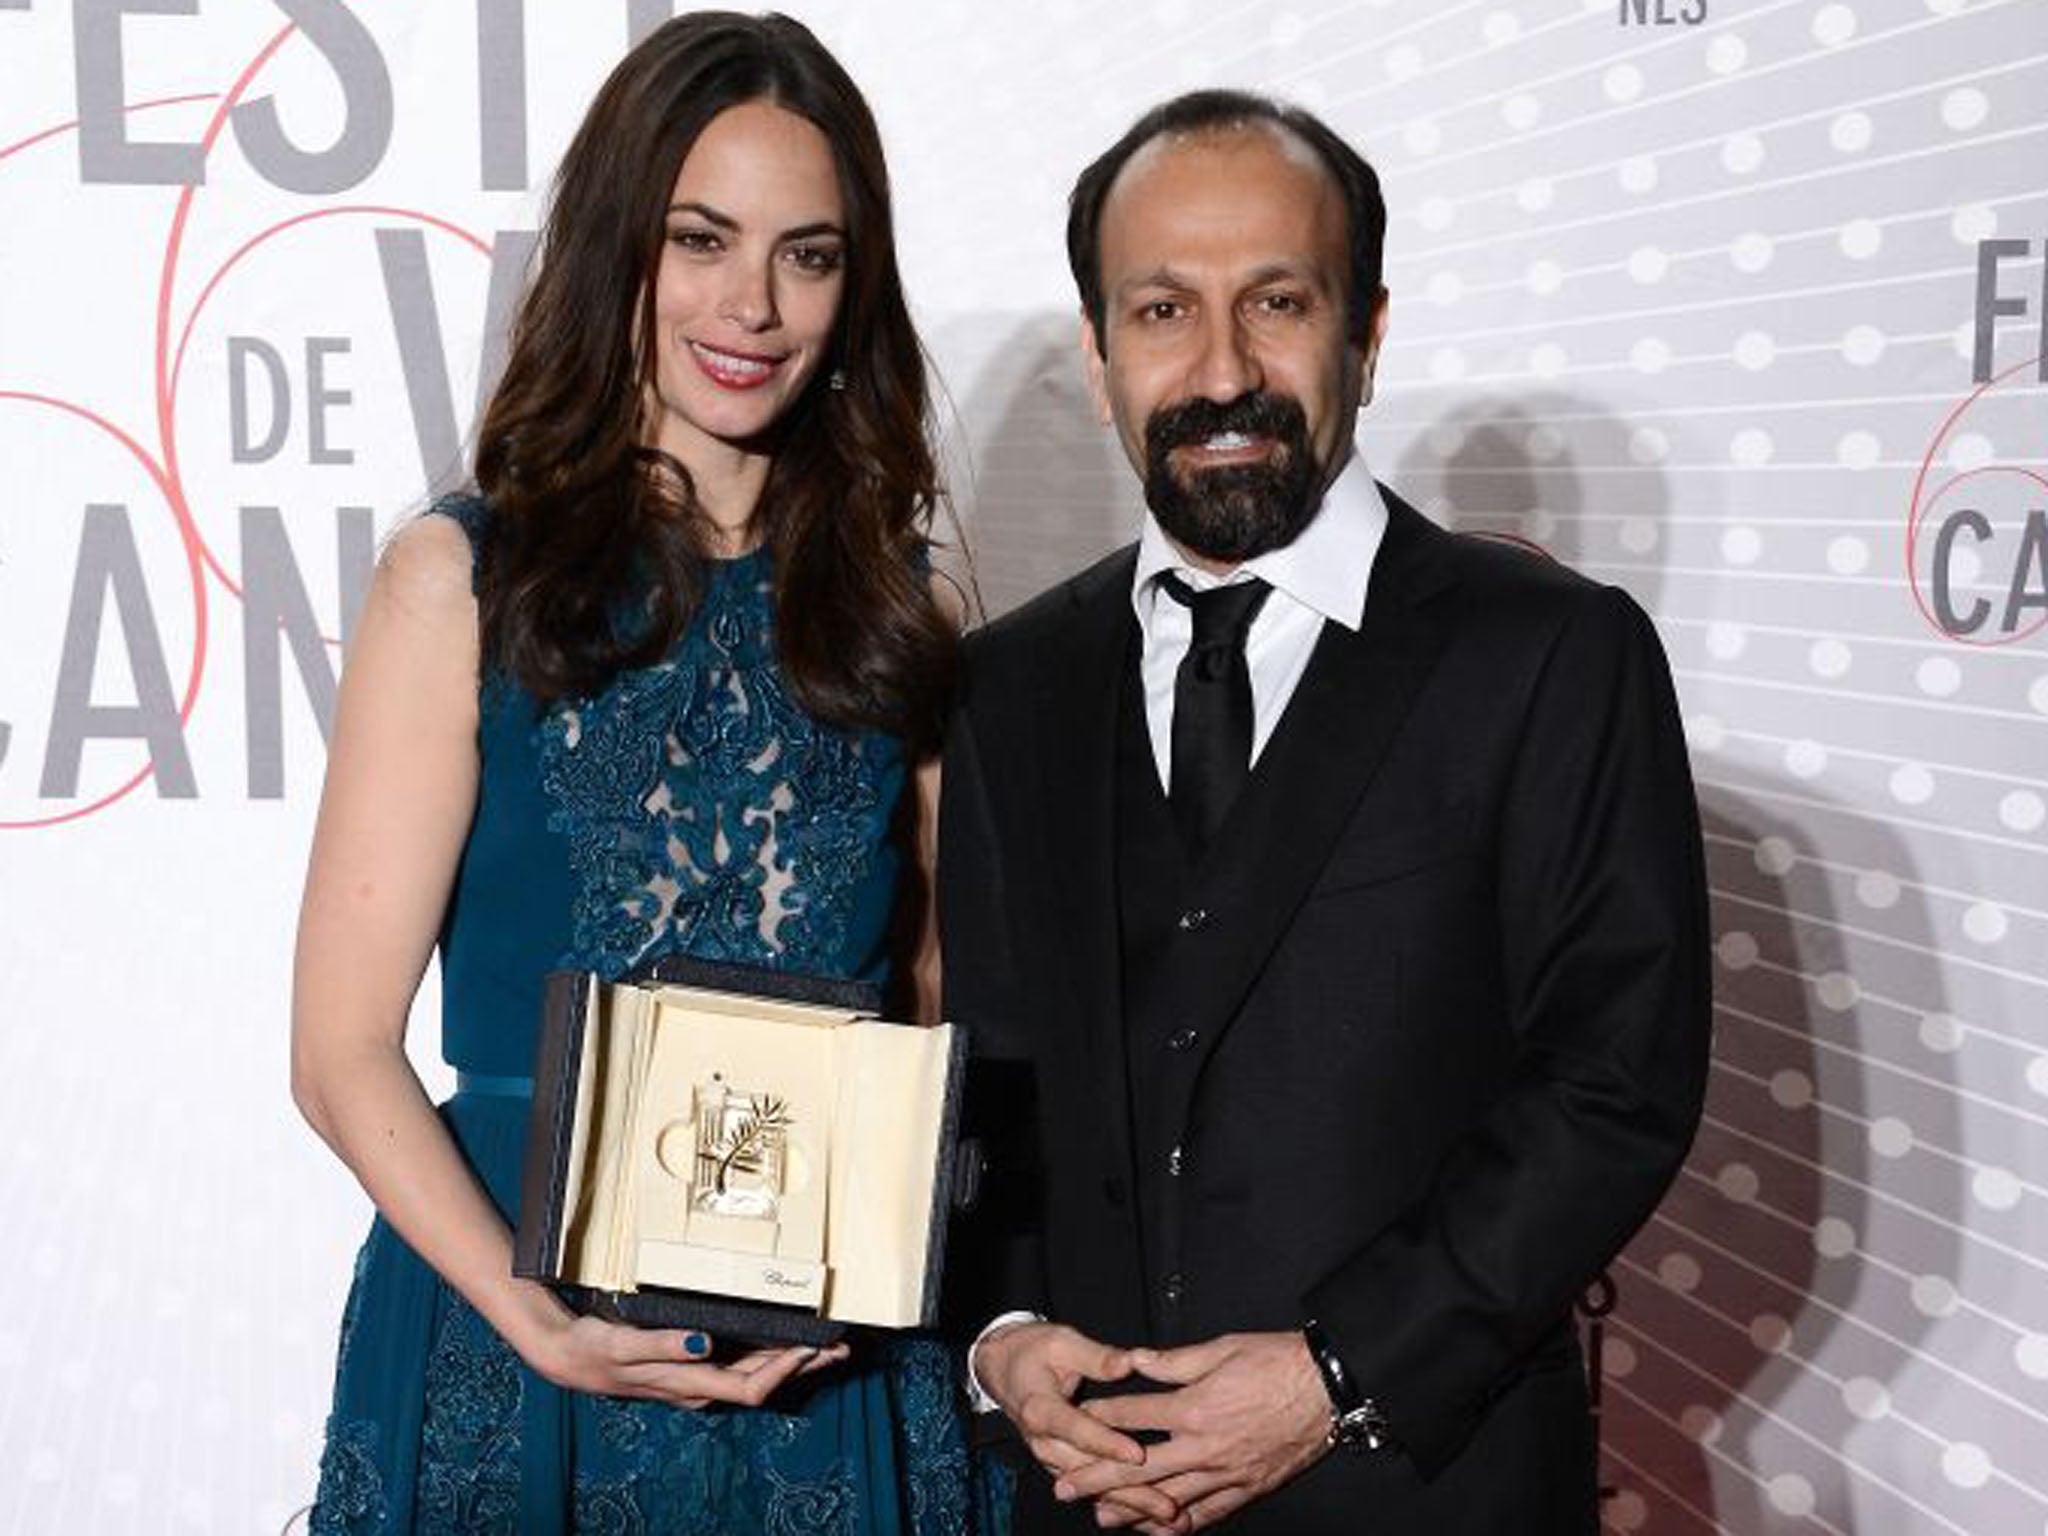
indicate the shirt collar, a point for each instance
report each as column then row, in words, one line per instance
column 1326, row 568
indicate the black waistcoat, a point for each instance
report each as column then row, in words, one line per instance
column 1156, row 909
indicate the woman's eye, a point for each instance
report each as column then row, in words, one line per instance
column 695, row 241
column 817, row 258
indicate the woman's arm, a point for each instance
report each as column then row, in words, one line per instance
column 925, row 975
column 400, row 792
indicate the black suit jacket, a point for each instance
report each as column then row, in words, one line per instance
column 1451, row 996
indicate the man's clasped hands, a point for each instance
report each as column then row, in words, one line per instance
column 1197, row 1433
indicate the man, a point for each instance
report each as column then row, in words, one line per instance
column 1329, row 890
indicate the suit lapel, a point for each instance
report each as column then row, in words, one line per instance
column 1345, row 714
column 1077, row 758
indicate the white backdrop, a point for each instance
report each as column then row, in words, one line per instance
column 1739, row 308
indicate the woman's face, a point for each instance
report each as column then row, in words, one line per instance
column 749, row 280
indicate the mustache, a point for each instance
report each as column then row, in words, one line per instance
column 1257, row 413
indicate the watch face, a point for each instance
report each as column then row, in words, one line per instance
column 1362, row 1429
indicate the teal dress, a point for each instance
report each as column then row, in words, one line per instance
column 693, row 806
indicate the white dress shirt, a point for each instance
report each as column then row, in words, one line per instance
column 1321, row 577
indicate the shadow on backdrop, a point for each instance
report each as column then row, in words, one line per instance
column 1758, row 1263
column 1041, row 487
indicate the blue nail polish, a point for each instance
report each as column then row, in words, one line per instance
column 696, row 1344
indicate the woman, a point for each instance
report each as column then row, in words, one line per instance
column 656, row 689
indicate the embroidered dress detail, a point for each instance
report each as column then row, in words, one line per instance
column 351, row 1494
column 704, row 810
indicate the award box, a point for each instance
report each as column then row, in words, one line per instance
column 749, row 1152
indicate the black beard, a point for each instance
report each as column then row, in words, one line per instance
column 1235, row 511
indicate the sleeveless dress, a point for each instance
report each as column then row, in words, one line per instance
column 693, row 806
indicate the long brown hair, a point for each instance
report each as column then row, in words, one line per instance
column 589, row 523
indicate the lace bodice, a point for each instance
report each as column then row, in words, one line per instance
column 692, row 806
column 705, row 811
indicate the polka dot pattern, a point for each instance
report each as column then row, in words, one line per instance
column 1867, row 1398
column 1770, row 1333
column 1890, row 1137
column 1941, row 1033
column 1726, row 640
column 1996, row 1189
column 1863, row 345
column 1934, row 1295
column 1742, row 153
column 1622, row 83
column 1834, row 1238
column 1791, row 1494
column 1965, row 108
column 1752, row 252
column 1791, row 1089
column 1851, row 132
column 1861, row 239
column 1966, row 1465
column 1680, row 1271
column 1834, row 25
column 2030, row 1354
column 1727, row 53
column 1700, row 1423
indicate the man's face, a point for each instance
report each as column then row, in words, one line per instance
column 1225, row 365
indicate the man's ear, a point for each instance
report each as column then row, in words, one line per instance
column 1093, row 363
column 1369, row 353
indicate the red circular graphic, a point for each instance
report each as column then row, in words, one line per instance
column 141, row 106
column 162, row 470
column 168, row 363
column 261, row 238
column 198, row 668
column 1923, row 504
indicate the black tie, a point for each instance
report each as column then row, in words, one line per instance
column 1212, row 706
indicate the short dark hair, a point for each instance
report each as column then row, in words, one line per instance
column 1208, row 111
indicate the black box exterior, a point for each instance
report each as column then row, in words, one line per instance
column 550, row 1130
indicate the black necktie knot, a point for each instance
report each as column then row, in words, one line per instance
column 1222, row 615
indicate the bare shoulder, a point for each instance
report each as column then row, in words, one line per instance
column 950, row 597
column 414, row 657
column 426, row 572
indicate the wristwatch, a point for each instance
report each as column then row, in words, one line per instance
column 1356, row 1422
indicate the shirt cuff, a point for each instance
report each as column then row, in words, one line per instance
column 977, row 1396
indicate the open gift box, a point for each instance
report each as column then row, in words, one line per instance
column 756, row 1154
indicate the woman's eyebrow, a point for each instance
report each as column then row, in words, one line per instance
column 706, row 212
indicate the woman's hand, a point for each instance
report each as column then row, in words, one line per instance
column 670, row 1365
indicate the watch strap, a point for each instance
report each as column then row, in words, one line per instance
column 1356, row 1422
column 1344, row 1393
